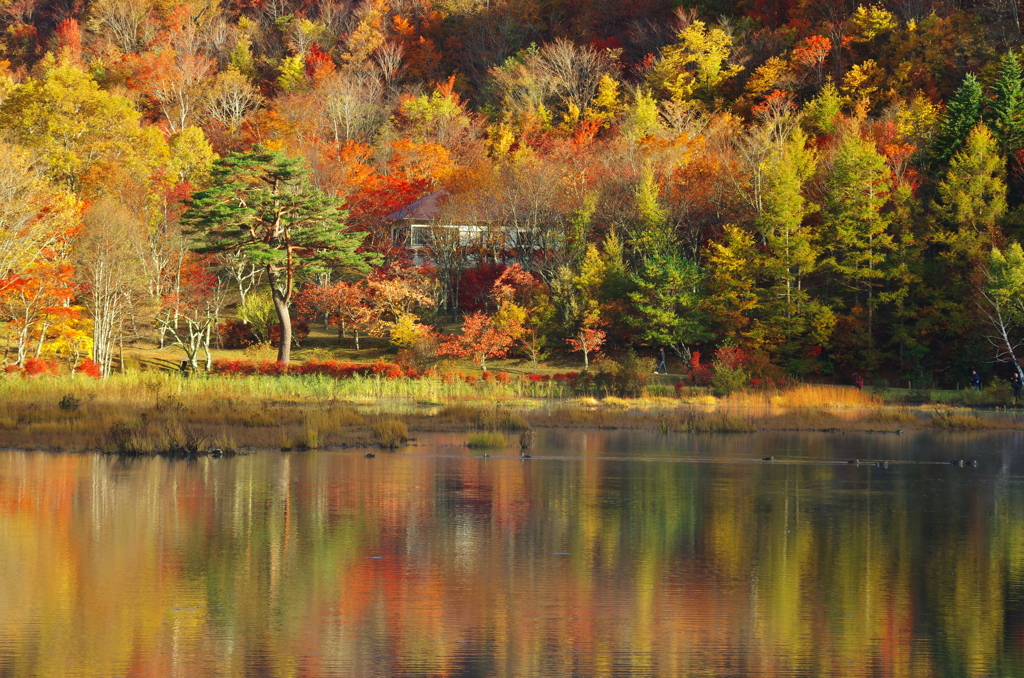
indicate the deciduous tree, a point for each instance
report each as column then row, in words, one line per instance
column 110, row 274
column 34, row 214
column 857, row 237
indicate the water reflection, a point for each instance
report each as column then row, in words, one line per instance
column 607, row 554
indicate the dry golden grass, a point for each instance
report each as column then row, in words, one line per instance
column 960, row 422
column 818, row 396
column 165, row 411
column 486, row 418
column 390, row 432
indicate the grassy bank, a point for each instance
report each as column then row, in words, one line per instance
column 154, row 413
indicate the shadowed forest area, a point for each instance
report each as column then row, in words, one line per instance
column 769, row 190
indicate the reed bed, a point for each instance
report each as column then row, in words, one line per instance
column 696, row 421
column 816, row 396
column 485, row 418
column 165, row 412
column 158, row 413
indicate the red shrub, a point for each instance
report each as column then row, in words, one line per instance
column 470, row 379
column 538, row 377
column 39, row 366
column 387, row 370
column 89, row 368
column 272, row 368
column 679, row 386
column 236, row 334
column 503, row 377
column 233, row 367
column 487, row 377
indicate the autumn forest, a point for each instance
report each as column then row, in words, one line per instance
column 808, row 188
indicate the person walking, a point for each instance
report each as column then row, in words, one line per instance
column 975, row 380
column 1016, row 385
column 662, row 365
column 858, row 381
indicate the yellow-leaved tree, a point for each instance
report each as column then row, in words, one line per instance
column 696, row 65
column 88, row 138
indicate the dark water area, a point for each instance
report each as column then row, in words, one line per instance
column 610, row 553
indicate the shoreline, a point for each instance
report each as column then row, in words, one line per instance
column 149, row 414
column 161, row 427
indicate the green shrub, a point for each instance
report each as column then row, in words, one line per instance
column 727, row 379
column 629, row 377
column 69, row 403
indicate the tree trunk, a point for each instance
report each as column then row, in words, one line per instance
column 281, row 299
column 206, row 347
column 284, row 349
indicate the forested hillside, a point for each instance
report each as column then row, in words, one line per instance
column 818, row 187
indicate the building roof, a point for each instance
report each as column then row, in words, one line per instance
column 426, row 207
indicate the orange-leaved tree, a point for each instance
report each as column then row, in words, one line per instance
column 589, row 339
column 344, row 305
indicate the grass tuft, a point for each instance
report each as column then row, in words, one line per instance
column 961, row 422
column 390, row 432
column 487, row 439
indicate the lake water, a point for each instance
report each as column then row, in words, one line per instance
column 610, row 553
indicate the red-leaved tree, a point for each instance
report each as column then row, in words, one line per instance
column 483, row 336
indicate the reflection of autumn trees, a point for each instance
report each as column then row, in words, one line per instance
column 325, row 563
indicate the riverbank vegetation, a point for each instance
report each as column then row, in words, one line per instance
column 157, row 413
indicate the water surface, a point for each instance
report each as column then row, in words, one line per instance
column 609, row 553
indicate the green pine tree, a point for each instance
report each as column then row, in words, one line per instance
column 666, row 303
column 962, row 114
column 781, row 223
column 651, row 233
column 1005, row 115
column 261, row 206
